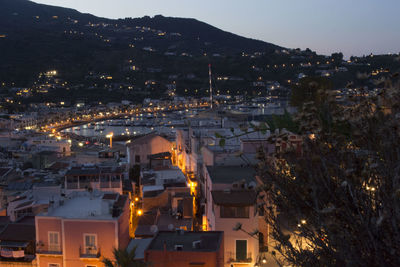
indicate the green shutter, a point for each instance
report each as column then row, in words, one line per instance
column 241, row 249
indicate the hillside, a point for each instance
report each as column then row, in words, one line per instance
column 38, row 37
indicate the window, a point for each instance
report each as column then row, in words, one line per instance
column 234, row 212
column 241, row 250
column 137, row 159
column 54, row 242
column 90, row 241
column 54, row 265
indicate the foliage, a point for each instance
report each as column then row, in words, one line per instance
column 283, row 121
column 338, row 203
column 308, row 90
column 123, row 258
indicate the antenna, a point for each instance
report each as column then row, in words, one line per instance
column 211, row 94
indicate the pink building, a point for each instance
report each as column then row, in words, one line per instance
column 82, row 229
column 231, row 206
column 182, row 249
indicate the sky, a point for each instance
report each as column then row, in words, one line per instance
column 354, row 27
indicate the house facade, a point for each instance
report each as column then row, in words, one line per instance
column 181, row 249
column 231, row 206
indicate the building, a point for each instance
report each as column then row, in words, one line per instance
column 89, row 176
column 17, row 243
column 231, row 206
column 42, row 143
column 140, row 149
column 33, row 201
column 181, row 249
column 81, row 229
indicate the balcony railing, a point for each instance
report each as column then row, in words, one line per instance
column 105, row 184
column 89, row 252
column 72, row 185
column 233, row 257
column 51, row 249
column 84, row 184
column 115, row 184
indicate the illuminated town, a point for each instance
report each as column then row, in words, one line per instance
column 167, row 142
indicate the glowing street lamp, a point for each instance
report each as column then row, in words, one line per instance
column 110, row 135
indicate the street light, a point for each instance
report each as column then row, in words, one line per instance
column 110, row 135
column 264, row 260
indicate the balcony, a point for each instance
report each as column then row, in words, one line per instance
column 104, row 184
column 72, row 185
column 236, row 258
column 12, row 251
column 89, row 253
column 115, row 184
column 83, row 185
column 51, row 249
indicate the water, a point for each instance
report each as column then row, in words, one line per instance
column 124, row 127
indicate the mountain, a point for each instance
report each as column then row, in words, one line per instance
column 37, row 37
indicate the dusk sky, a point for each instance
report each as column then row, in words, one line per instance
column 355, row 27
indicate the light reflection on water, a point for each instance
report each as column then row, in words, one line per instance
column 103, row 128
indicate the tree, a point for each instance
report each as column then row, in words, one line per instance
column 123, row 258
column 337, row 57
column 338, row 203
column 308, row 90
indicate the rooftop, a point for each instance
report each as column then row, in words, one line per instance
column 144, row 139
column 207, row 241
column 93, row 170
column 85, row 205
column 18, row 232
column 231, row 174
column 234, row 197
column 19, row 186
column 141, row 245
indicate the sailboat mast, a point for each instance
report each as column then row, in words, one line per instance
column 211, row 94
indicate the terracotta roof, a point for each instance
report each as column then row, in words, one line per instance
column 234, row 197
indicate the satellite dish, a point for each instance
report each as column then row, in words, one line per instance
column 237, row 227
column 154, row 228
column 252, row 184
column 171, row 227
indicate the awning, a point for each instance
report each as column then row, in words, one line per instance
column 13, row 244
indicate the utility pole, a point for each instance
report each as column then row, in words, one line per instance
column 211, row 94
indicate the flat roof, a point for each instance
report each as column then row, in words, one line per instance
column 231, row 174
column 93, row 170
column 141, row 245
column 234, row 198
column 83, row 205
column 209, row 241
column 18, row 232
